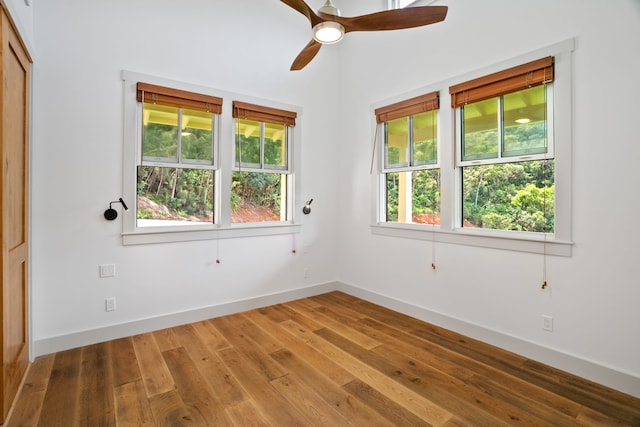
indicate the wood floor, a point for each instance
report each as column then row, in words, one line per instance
column 331, row 360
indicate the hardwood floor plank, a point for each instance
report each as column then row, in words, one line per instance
column 327, row 321
column 169, row 410
column 307, row 401
column 223, row 386
column 260, row 336
column 332, row 359
column 435, row 356
column 270, row 403
column 165, row 339
column 132, row 406
column 334, row 372
column 594, row 396
column 96, row 387
column 286, row 313
column 155, row 374
column 412, row 401
column 441, row 397
column 249, row 348
column 329, row 301
column 246, row 414
column 193, row 388
column 511, row 393
column 590, row 418
column 461, row 366
column 416, row 372
column 386, row 407
column 60, row 406
column 472, row 348
column 211, row 337
column 351, row 409
column 124, row 362
column 26, row 410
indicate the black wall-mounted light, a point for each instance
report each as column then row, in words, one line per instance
column 306, row 209
column 111, row 214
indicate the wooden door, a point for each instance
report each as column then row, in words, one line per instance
column 14, row 104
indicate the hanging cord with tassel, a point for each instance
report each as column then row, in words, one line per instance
column 545, row 175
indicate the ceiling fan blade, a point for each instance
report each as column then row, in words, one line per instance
column 304, row 9
column 396, row 19
column 307, row 54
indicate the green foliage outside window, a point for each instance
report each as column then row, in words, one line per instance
column 173, row 136
column 256, row 194
column 175, row 194
column 509, row 196
column 256, row 189
column 425, row 193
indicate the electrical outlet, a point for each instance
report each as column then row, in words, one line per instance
column 107, row 270
column 306, row 273
column 547, row 323
column 110, row 304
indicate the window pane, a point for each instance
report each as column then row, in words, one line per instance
column 509, row 196
column 425, row 138
column 275, row 148
column 480, row 130
column 397, row 143
column 160, row 132
column 413, row 197
column 258, row 197
column 525, row 127
column 174, row 196
column 197, row 135
column 248, row 142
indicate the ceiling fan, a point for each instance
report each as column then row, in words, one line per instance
column 329, row 27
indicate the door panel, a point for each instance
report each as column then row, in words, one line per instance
column 15, row 174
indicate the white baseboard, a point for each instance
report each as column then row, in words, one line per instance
column 93, row 336
column 610, row 377
column 607, row 376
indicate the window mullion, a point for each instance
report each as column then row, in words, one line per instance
column 261, row 145
column 179, row 135
column 410, row 141
column 500, row 126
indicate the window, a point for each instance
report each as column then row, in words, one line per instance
column 261, row 181
column 180, row 177
column 176, row 173
column 505, row 149
column 410, row 174
column 504, row 158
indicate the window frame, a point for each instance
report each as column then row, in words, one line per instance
column 224, row 161
column 266, row 115
column 405, row 109
column 450, row 230
column 501, row 158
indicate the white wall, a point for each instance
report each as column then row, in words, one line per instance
column 77, row 158
column 77, row 167
column 594, row 294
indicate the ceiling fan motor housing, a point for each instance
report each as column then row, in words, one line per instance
column 329, row 9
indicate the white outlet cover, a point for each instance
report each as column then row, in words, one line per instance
column 107, row 270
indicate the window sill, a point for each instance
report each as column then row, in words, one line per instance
column 495, row 239
column 168, row 235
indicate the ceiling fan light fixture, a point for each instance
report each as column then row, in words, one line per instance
column 328, row 32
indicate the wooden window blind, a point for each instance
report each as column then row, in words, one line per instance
column 243, row 110
column 408, row 107
column 513, row 79
column 178, row 98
